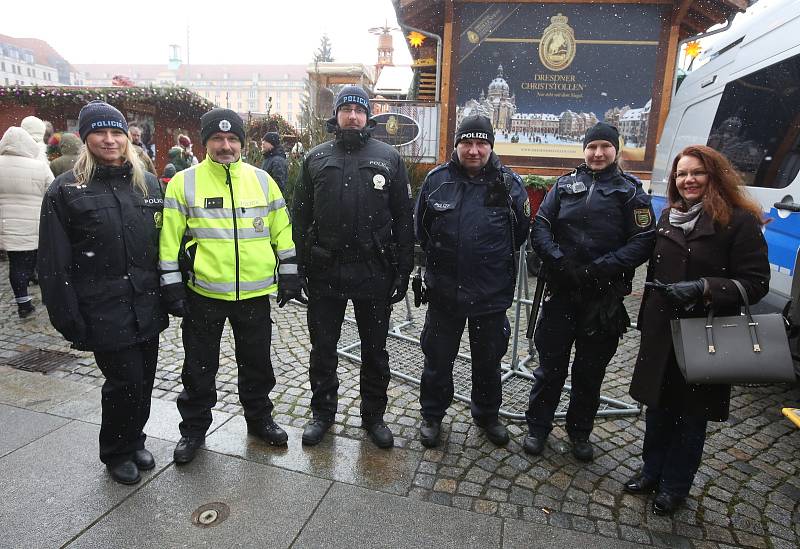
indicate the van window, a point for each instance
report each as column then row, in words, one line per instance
column 757, row 125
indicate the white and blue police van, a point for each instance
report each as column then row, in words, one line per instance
column 745, row 103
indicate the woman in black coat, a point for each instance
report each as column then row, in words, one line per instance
column 710, row 235
column 98, row 259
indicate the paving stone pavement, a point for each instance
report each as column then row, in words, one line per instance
column 747, row 492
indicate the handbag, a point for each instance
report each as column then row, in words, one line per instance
column 733, row 350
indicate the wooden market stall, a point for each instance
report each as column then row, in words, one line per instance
column 166, row 112
column 544, row 71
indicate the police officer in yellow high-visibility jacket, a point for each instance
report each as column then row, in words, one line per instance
column 227, row 237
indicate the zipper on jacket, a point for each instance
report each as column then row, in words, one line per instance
column 591, row 188
column 235, row 226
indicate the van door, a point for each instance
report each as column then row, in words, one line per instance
column 757, row 126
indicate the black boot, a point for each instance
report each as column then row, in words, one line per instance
column 380, row 434
column 144, row 460
column 533, row 444
column 314, row 431
column 269, row 432
column 495, row 431
column 125, row 472
column 640, row 484
column 582, row 449
column 665, row 503
column 26, row 309
column 429, row 432
column 187, row 448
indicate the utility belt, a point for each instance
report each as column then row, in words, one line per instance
column 324, row 257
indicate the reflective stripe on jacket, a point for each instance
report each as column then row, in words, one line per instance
column 229, row 227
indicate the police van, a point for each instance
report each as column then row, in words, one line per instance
column 745, row 103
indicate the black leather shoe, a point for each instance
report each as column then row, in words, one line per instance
column 495, row 431
column 125, row 472
column 533, row 445
column 314, row 431
column 429, row 433
column 144, row 460
column 665, row 503
column 380, row 434
column 640, row 484
column 582, row 450
column 270, row 432
column 187, row 448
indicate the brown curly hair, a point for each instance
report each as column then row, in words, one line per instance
column 724, row 191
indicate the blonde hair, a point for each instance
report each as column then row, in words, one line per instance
column 86, row 164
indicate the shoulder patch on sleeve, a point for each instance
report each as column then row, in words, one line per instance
column 642, row 217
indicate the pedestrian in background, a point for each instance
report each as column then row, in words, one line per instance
column 593, row 229
column 37, row 129
column 275, row 162
column 135, row 132
column 472, row 214
column 69, row 147
column 227, row 231
column 710, row 235
column 24, row 178
column 98, row 259
column 354, row 235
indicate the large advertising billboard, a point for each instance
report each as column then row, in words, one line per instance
column 544, row 73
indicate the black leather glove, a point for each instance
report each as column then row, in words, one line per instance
column 587, row 275
column 291, row 287
column 420, row 292
column 399, row 289
column 686, row 293
column 566, row 274
column 177, row 308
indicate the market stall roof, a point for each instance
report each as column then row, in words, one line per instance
column 692, row 16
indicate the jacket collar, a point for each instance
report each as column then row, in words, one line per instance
column 603, row 175
column 489, row 171
column 219, row 169
column 703, row 227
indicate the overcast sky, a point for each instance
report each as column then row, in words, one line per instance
column 233, row 32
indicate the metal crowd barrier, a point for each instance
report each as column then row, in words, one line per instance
column 406, row 358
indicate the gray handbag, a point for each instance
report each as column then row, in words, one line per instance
column 733, row 350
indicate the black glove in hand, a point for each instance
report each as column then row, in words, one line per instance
column 176, row 308
column 566, row 274
column 291, row 287
column 399, row 289
column 587, row 276
column 686, row 293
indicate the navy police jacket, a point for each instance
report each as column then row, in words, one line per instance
column 603, row 218
column 98, row 259
column 469, row 229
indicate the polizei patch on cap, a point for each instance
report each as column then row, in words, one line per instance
column 354, row 99
column 475, row 135
column 642, row 217
column 224, row 125
column 107, row 124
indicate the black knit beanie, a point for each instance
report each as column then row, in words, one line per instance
column 352, row 94
column 475, row 126
column 99, row 115
column 602, row 131
column 272, row 138
column 221, row 120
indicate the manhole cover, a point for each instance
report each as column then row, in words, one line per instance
column 40, row 360
column 210, row 514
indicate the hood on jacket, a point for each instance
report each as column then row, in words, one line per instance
column 175, row 152
column 35, row 127
column 70, row 144
column 17, row 142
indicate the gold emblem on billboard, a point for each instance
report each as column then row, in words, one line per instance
column 473, row 37
column 557, row 47
column 392, row 125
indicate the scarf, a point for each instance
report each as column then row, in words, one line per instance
column 685, row 220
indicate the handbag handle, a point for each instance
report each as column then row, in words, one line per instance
column 750, row 323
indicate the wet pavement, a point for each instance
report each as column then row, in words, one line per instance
column 347, row 493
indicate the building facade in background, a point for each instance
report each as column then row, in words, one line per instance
column 33, row 62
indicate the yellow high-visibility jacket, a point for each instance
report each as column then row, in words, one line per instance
column 228, row 228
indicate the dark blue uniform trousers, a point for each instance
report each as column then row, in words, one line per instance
column 673, row 448
column 202, row 332
column 441, row 338
column 325, row 317
column 555, row 335
column 125, row 398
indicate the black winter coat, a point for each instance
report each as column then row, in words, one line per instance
column 470, row 237
column 98, row 259
column 348, row 205
column 717, row 254
column 276, row 165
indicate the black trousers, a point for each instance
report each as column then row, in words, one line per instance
column 441, row 338
column 21, row 269
column 556, row 333
column 673, row 449
column 325, row 317
column 202, row 332
column 129, row 374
